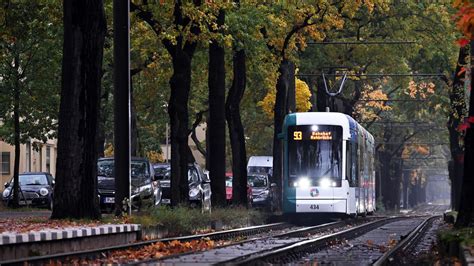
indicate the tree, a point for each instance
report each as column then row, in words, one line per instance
column 216, row 119
column 465, row 23
column 76, row 179
column 28, row 84
column 382, row 105
column 302, row 96
column 456, row 116
column 289, row 26
column 181, row 45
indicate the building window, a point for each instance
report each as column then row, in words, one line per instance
column 28, row 157
column 5, row 163
column 48, row 159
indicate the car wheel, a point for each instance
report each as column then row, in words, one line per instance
column 271, row 206
column 50, row 207
column 206, row 205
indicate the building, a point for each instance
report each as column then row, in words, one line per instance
column 201, row 136
column 41, row 159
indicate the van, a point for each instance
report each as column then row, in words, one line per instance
column 261, row 165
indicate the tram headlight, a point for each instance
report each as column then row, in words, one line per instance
column 325, row 182
column 303, row 182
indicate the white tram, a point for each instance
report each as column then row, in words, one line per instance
column 328, row 165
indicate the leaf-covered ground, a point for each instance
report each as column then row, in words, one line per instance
column 29, row 224
column 153, row 251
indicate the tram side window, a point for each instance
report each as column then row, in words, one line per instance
column 349, row 162
column 352, row 164
column 357, row 157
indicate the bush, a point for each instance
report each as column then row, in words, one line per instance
column 464, row 236
column 184, row 220
column 379, row 205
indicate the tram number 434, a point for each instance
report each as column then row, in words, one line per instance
column 314, row 207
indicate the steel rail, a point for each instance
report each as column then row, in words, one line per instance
column 362, row 42
column 407, row 242
column 245, row 231
column 295, row 233
column 374, row 75
column 292, row 250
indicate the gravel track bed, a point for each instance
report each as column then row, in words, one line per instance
column 246, row 248
column 367, row 248
column 424, row 252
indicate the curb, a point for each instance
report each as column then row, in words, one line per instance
column 65, row 233
column 465, row 255
column 51, row 241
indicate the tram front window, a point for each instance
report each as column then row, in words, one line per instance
column 315, row 156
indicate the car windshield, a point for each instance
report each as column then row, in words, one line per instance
column 260, row 169
column 33, row 180
column 228, row 181
column 258, row 180
column 193, row 176
column 315, row 152
column 106, row 168
column 162, row 173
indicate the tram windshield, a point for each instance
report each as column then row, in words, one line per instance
column 315, row 155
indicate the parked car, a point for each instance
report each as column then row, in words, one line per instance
column 264, row 193
column 36, row 189
column 228, row 190
column 260, row 164
column 199, row 184
column 143, row 188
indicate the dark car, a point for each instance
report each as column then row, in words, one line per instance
column 36, row 189
column 143, row 188
column 264, row 193
column 199, row 184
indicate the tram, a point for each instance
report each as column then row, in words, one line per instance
column 328, row 165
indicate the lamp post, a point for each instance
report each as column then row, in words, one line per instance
column 122, row 105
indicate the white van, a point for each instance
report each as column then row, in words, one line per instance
column 260, row 164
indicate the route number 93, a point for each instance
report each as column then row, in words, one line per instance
column 297, row 135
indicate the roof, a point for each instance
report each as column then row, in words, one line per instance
column 328, row 118
column 35, row 173
column 131, row 158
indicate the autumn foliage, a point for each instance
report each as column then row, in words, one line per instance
column 465, row 19
column 302, row 94
column 373, row 100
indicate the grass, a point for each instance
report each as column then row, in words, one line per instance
column 463, row 235
column 178, row 221
column 186, row 220
column 4, row 208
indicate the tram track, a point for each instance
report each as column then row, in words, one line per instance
column 378, row 241
column 295, row 251
column 274, row 243
column 407, row 244
column 233, row 253
column 98, row 253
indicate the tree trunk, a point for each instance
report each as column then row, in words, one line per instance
column 180, row 84
column 76, row 179
column 458, row 106
column 466, row 207
column 280, row 111
column 216, row 126
column 103, row 117
column 236, row 129
column 405, row 185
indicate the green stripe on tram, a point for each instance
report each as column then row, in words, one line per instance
column 290, row 192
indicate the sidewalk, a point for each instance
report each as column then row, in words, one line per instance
column 31, row 233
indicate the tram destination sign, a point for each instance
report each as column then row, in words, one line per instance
column 314, row 133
